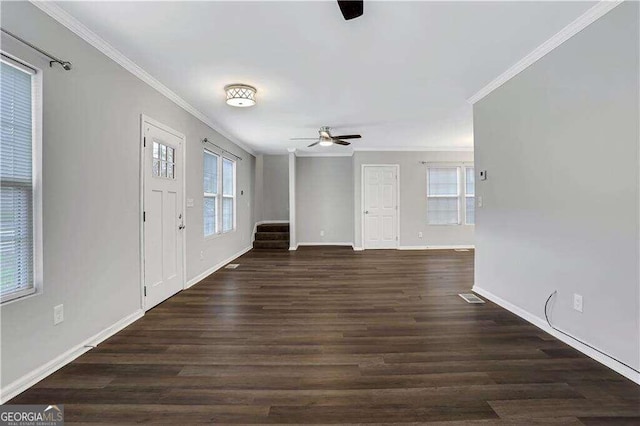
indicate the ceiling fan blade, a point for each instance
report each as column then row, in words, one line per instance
column 351, row 8
column 347, row 137
column 339, row 142
column 303, row 139
column 313, row 144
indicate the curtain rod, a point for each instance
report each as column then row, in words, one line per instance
column 65, row 64
column 205, row 140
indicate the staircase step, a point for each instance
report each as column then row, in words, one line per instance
column 270, row 245
column 273, row 227
column 282, row 236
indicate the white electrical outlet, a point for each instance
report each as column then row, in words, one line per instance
column 322, row 233
column 479, row 201
column 58, row 314
column 419, row 234
column 577, row 302
column 201, row 255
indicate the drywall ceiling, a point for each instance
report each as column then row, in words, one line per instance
column 400, row 75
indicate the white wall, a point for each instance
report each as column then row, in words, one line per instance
column 275, row 186
column 324, row 199
column 91, row 194
column 413, row 198
column 561, row 203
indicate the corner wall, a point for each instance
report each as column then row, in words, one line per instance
column 560, row 143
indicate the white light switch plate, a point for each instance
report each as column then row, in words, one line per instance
column 189, row 202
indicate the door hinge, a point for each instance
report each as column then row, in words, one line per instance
column 144, row 141
column 144, row 216
column 145, row 291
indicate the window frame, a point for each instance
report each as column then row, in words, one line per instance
column 219, row 196
column 36, row 178
column 461, row 196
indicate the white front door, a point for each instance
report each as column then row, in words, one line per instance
column 380, row 212
column 163, row 213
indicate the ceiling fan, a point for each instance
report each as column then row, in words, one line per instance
column 351, row 8
column 326, row 139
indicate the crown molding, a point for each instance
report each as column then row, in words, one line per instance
column 584, row 20
column 417, row 149
column 75, row 26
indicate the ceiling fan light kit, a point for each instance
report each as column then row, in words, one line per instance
column 325, row 138
column 240, row 95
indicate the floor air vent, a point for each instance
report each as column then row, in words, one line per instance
column 471, row 298
column 232, row 266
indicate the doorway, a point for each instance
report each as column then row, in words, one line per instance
column 380, row 204
column 163, row 213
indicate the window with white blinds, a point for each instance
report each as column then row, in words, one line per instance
column 219, row 204
column 450, row 194
column 17, row 224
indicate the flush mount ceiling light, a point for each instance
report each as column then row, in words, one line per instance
column 240, row 95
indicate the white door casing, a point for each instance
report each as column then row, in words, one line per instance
column 163, row 212
column 380, row 206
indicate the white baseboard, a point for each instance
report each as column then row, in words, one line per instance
column 325, row 243
column 358, row 248
column 25, row 382
column 542, row 324
column 195, row 280
column 447, row 247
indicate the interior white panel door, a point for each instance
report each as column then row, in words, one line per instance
column 380, row 214
column 163, row 215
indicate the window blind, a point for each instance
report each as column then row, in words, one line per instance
column 210, row 205
column 442, row 196
column 16, row 183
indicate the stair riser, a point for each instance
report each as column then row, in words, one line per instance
column 273, row 228
column 270, row 245
column 272, row 236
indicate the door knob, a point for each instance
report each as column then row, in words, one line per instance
column 366, row 212
column 181, row 227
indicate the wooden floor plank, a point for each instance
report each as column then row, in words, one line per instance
column 326, row 335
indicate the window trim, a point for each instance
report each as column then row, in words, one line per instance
column 36, row 170
column 461, row 195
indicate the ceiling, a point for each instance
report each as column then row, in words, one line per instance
column 399, row 75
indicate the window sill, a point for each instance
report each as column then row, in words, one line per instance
column 218, row 235
column 21, row 298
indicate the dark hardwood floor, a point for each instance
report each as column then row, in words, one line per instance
column 328, row 335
